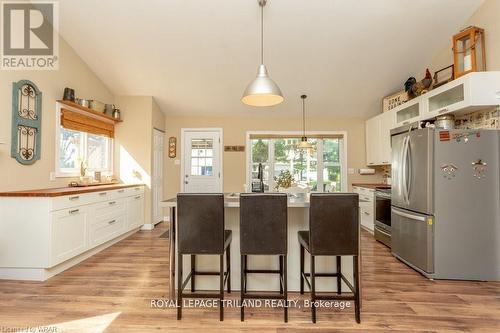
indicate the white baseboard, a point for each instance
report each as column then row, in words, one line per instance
column 147, row 227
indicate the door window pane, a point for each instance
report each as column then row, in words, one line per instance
column 332, row 173
column 202, row 156
column 260, row 154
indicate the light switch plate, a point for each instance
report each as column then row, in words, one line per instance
column 52, row 176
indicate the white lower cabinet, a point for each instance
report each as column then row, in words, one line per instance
column 42, row 236
column 135, row 211
column 366, row 207
column 69, row 234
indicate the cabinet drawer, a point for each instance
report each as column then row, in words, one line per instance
column 68, row 201
column 112, row 206
column 134, row 190
column 106, row 228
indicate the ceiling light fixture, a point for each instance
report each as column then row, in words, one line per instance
column 303, row 141
column 262, row 91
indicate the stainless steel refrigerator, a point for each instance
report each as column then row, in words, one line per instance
column 446, row 202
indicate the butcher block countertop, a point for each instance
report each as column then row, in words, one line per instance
column 61, row 191
column 371, row 186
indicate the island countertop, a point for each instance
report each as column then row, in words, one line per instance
column 232, row 200
column 61, row 191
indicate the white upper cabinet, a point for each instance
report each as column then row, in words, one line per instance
column 378, row 138
column 372, row 132
column 468, row 93
column 409, row 112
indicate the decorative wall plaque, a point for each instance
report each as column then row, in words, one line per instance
column 234, row 148
column 26, row 122
column 172, row 147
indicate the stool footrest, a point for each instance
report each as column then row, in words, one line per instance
column 263, row 271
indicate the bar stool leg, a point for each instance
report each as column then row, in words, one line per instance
column 179, row 287
column 356, row 288
column 245, row 272
column 281, row 273
column 242, row 288
column 193, row 270
column 339, row 272
column 228, row 267
column 301, row 269
column 221, row 287
column 285, row 287
column 313, row 290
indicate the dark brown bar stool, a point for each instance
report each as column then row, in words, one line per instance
column 263, row 231
column 333, row 231
column 201, row 231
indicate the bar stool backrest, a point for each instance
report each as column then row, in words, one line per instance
column 334, row 224
column 263, row 223
column 200, row 223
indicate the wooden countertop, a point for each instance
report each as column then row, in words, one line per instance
column 371, row 186
column 57, row 192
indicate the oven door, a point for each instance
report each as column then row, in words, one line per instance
column 383, row 211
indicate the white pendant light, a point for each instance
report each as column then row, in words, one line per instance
column 303, row 141
column 262, row 91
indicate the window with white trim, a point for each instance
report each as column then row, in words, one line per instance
column 75, row 147
column 321, row 169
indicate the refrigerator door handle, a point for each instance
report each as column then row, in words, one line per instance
column 408, row 215
column 410, row 167
column 403, row 171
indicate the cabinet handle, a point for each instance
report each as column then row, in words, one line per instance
column 443, row 110
column 137, row 188
column 366, row 213
column 111, row 203
column 74, row 211
column 406, row 122
column 386, row 162
column 112, row 221
column 121, row 191
column 74, row 198
column 138, row 197
column 103, row 194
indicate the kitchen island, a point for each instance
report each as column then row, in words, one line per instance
column 298, row 219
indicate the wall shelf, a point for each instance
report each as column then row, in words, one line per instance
column 89, row 111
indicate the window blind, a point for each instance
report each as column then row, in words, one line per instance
column 83, row 123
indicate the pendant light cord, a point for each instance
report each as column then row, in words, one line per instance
column 303, row 117
column 262, row 34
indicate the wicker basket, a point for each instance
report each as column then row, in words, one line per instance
column 392, row 101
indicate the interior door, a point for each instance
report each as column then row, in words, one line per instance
column 157, row 175
column 201, row 161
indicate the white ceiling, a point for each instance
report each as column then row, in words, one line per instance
column 197, row 56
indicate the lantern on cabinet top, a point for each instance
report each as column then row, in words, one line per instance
column 469, row 51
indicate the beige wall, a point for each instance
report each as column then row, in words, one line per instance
column 487, row 17
column 74, row 73
column 235, row 134
column 133, row 142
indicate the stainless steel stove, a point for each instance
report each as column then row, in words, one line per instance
column 382, row 230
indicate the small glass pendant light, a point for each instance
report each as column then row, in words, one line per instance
column 262, row 91
column 303, row 141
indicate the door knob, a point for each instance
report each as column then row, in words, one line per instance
column 186, row 182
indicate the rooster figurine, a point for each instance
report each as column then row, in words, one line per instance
column 415, row 88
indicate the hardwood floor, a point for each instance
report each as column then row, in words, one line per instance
column 112, row 292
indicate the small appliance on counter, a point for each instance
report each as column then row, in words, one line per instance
column 258, row 185
column 445, row 216
column 382, row 228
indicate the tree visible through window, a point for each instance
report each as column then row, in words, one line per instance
column 319, row 169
